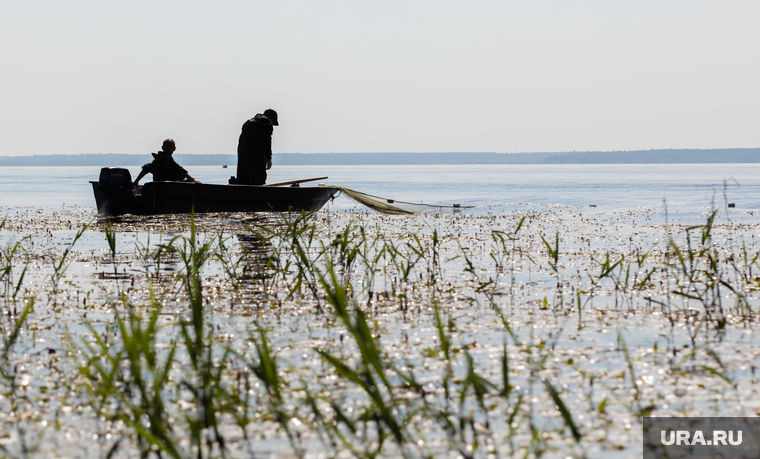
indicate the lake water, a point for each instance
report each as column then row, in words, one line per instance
column 687, row 188
column 614, row 280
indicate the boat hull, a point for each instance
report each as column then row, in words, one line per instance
column 184, row 197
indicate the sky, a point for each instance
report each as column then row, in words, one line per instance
column 393, row 76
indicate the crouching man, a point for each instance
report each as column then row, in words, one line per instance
column 164, row 168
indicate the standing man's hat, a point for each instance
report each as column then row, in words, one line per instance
column 272, row 115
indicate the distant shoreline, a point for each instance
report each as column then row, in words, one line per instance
column 681, row 156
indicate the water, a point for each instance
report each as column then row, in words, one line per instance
column 687, row 188
column 575, row 308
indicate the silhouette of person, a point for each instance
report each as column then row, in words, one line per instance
column 164, row 168
column 255, row 149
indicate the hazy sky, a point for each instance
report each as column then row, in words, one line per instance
column 400, row 76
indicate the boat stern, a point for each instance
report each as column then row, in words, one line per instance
column 113, row 191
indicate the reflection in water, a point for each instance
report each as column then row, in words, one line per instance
column 250, row 262
column 258, row 253
column 156, row 233
column 180, row 223
column 259, row 262
column 256, row 272
column 253, row 271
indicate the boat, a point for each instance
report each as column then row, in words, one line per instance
column 114, row 195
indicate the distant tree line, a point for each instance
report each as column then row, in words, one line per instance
column 725, row 155
column 112, row 159
column 662, row 156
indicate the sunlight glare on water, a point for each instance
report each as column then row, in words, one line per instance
column 685, row 187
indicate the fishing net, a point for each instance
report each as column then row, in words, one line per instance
column 392, row 206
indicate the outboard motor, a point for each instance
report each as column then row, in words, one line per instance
column 113, row 192
column 115, row 179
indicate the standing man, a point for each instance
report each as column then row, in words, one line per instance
column 255, row 149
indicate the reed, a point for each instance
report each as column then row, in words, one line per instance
column 61, row 263
column 204, row 378
column 8, row 254
column 151, row 258
column 398, row 362
column 369, row 375
column 125, row 381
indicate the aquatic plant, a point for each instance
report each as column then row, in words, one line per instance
column 355, row 335
column 125, row 381
column 61, row 263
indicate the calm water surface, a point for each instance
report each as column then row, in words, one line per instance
column 626, row 220
column 686, row 187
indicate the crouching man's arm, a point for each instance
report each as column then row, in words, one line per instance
column 189, row 178
column 143, row 173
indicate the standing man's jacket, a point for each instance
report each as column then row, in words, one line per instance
column 254, row 150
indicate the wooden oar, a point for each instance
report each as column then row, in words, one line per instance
column 293, row 182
